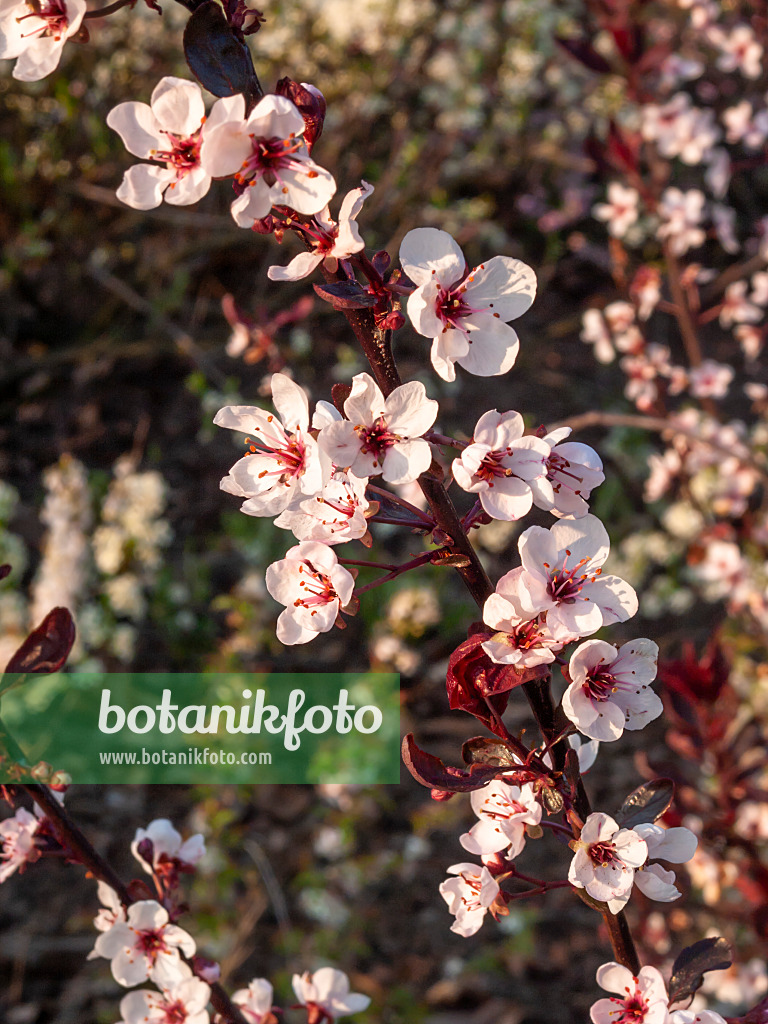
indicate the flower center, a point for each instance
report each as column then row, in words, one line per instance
column 183, row 156
column 151, row 943
column 316, row 589
column 600, row 685
column 376, row 439
column 632, row 1010
column 603, row 854
column 557, row 468
column 53, row 13
column 290, row 460
column 565, row 584
column 493, row 466
column 269, row 157
column 175, row 1012
column 451, row 307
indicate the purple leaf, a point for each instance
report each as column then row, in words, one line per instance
column 645, row 804
column 432, row 773
column 47, row 647
column 216, row 57
column 688, row 971
column 345, row 295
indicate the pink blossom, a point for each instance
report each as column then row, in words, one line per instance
column 605, row 860
column 146, row 945
column 742, row 126
column 465, row 313
column 469, row 896
column 695, row 1017
column 169, row 132
column 563, row 577
column 330, row 241
column 739, row 50
column 573, row 470
column 382, row 435
column 255, row 1002
column 334, row 516
column 326, row 995
column 681, row 215
column 736, row 308
column 520, row 640
column 169, row 853
column 268, row 157
column 610, row 690
column 620, row 212
column 36, row 34
column 183, row 1002
column 284, row 461
column 313, row 586
column 710, row 379
column 500, row 465
column 17, row 842
column 642, row 999
column 504, row 811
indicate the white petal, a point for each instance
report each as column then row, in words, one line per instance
column 189, row 188
column 224, row 149
column 252, row 205
column 428, row 253
column 178, row 105
column 138, row 127
column 143, row 186
column 615, row 977
column 408, row 411
column 493, row 349
column 275, row 116
column 306, row 189
column 291, row 402
column 39, row 59
column 228, row 108
column 406, row 461
column 299, row 267
column 503, row 285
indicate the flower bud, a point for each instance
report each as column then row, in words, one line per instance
column 311, row 104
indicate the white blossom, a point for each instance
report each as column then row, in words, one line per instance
column 285, row 462
column 610, row 690
column 313, row 586
column 500, row 465
column 255, row 1002
column 465, row 314
column 17, row 842
column 642, row 999
column 168, row 132
column 334, row 516
column 35, row 34
column 327, row 990
column 382, row 435
column 168, row 850
column 268, row 158
column 676, row 845
column 469, row 896
column 573, row 470
column 605, row 860
column 620, row 212
column 504, row 810
column 183, row 1002
column 330, row 241
column 146, row 946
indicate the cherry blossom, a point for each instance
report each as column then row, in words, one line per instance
column 610, row 689
column 573, row 470
column 17, row 840
column 382, row 435
column 645, row 290
column 520, row 640
column 268, row 157
column 676, row 845
column 594, row 331
column 681, row 214
column 620, row 212
column 465, row 313
column 469, row 896
column 739, row 51
column 500, row 464
column 36, row 33
column 284, row 461
column 563, row 577
column 711, row 379
column 326, row 995
column 334, row 516
column 169, row 855
column 169, row 132
column 742, row 126
column 313, row 586
column 111, row 910
column 255, row 1002
column 504, row 811
column 642, row 999
column 183, row 1002
column 146, row 945
column 330, row 241
column 605, row 860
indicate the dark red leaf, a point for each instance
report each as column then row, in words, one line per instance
column 432, row 773
column 311, row 104
column 4, row 570
column 345, row 295
column 47, row 647
column 645, row 804
column 757, row 1015
column 218, row 59
column 691, row 965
